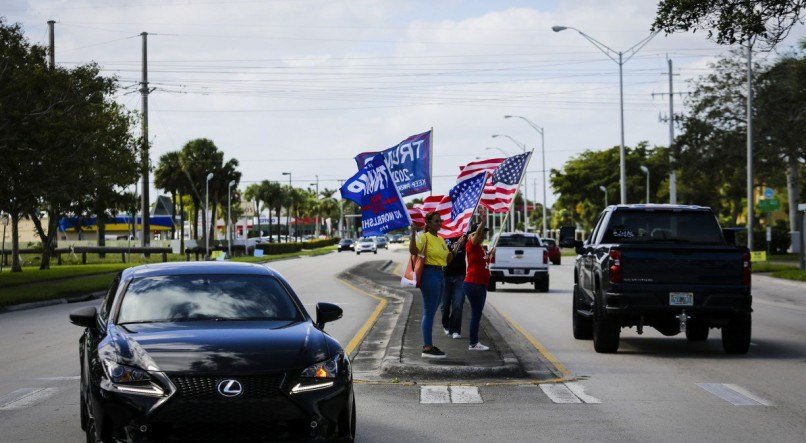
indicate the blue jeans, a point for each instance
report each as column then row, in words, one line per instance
column 433, row 281
column 453, row 300
column 476, row 295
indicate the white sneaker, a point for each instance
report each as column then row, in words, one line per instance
column 456, row 335
column 447, row 332
column 478, row 347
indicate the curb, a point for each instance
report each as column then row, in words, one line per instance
column 390, row 364
column 55, row 301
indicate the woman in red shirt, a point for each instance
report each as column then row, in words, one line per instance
column 476, row 279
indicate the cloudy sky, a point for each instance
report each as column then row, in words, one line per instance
column 303, row 86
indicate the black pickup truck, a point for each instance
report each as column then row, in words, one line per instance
column 670, row 267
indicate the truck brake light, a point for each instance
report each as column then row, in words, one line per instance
column 746, row 268
column 615, row 266
column 545, row 257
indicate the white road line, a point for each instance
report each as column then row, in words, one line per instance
column 22, row 398
column 559, row 393
column 733, row 394
column 75, row 377
column 579, row 391
column 465, row 394
column 434, row 394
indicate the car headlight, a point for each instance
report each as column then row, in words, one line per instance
column 124, row 374
column 319, row 375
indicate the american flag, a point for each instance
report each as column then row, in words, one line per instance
column 503, row 184
column 456, row 208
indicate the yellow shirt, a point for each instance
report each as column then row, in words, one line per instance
column 437, row 253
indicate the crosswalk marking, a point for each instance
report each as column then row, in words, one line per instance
column 579, row 391
column 465, row 394
column 434, row 394
column 733, row 394
column 450, row 394
column 22, row 398
column 559, row 393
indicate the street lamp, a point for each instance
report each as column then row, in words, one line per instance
column 4, row 221
column 603, row 189
column 646, row 171
column 229, row 218
column 206, row 209
column 620, row 60
column 543, row 154
column 288, row 214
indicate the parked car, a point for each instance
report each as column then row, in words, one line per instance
column 670, row 267
column 382, row 242
column 555, row 255
column 346, row 244
column 366, row 245
column 520, row 258
column 210, row 350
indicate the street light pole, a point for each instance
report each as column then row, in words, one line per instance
column 525, row 201
column 206, row 209
column 603, row 189
column 229, row 218
column 646, row 171
column 612, row 55
column 543, row 155
column 288, row 214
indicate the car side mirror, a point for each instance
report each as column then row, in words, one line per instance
column 325, row 313
column 86, row 317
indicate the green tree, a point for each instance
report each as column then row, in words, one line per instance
column 170, row 177
column 730, row 22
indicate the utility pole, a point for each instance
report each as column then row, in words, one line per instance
column 670, row 120
column 144, row 161
column 51, row 44
column 750, row 145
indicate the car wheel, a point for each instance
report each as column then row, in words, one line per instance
column 83, row 411
column 375, row 251
column 559, row 260
column 91, row 431
column 606, row 331
column 736, row 335
column 347, row 430
column 491, row 286
column 581, row 325
column 544, row 285
column 697, row 331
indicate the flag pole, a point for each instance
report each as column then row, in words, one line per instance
column 431, row 160
column 520, row 182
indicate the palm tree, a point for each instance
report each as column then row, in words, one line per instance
column 296, row 203
column 169, row 177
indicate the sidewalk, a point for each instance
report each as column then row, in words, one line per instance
column 393, row 348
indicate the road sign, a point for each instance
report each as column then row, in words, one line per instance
column 768, row 205
column 756, row 256
column 769, row 193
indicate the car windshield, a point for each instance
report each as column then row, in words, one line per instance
column 518, row 241
column 177, row 298
column 365, row 240
column 662, row 226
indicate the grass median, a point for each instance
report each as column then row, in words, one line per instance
column 33, row 285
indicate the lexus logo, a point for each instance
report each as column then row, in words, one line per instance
column 230, row 388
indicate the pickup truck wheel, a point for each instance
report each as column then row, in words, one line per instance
column 736, row 335
column 582, row 326
column 606, row 331
column 697, row 331
column 491, row 286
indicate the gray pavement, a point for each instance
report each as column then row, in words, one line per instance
column 655, row 389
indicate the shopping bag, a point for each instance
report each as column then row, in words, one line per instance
column 413, row 272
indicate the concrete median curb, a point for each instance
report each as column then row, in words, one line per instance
column 380, row 355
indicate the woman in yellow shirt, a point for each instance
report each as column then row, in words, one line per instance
column 437, row 256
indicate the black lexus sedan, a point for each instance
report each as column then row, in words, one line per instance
column 211, row 351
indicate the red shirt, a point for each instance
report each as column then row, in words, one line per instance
column 478, row 267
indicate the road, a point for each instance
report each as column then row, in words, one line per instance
column 649, row 391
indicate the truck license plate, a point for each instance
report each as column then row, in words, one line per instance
column 681, row 298
column 519, row 271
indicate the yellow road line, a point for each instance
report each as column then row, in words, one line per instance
column 359, row 336
column 540, row 348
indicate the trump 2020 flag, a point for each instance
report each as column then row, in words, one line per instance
column 456, row 208
column 409, row 162
column 372, row 188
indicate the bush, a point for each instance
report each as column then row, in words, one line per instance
column 279, row 248
column 321, row 243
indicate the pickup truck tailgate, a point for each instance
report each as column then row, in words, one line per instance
column 519, row 257
column 665, row 265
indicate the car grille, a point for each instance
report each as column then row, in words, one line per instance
column 197, row 401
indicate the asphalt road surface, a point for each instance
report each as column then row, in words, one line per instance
column 655, row 388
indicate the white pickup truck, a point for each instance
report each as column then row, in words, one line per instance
column 520, row 258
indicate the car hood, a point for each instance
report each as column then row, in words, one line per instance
column 211, row 347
